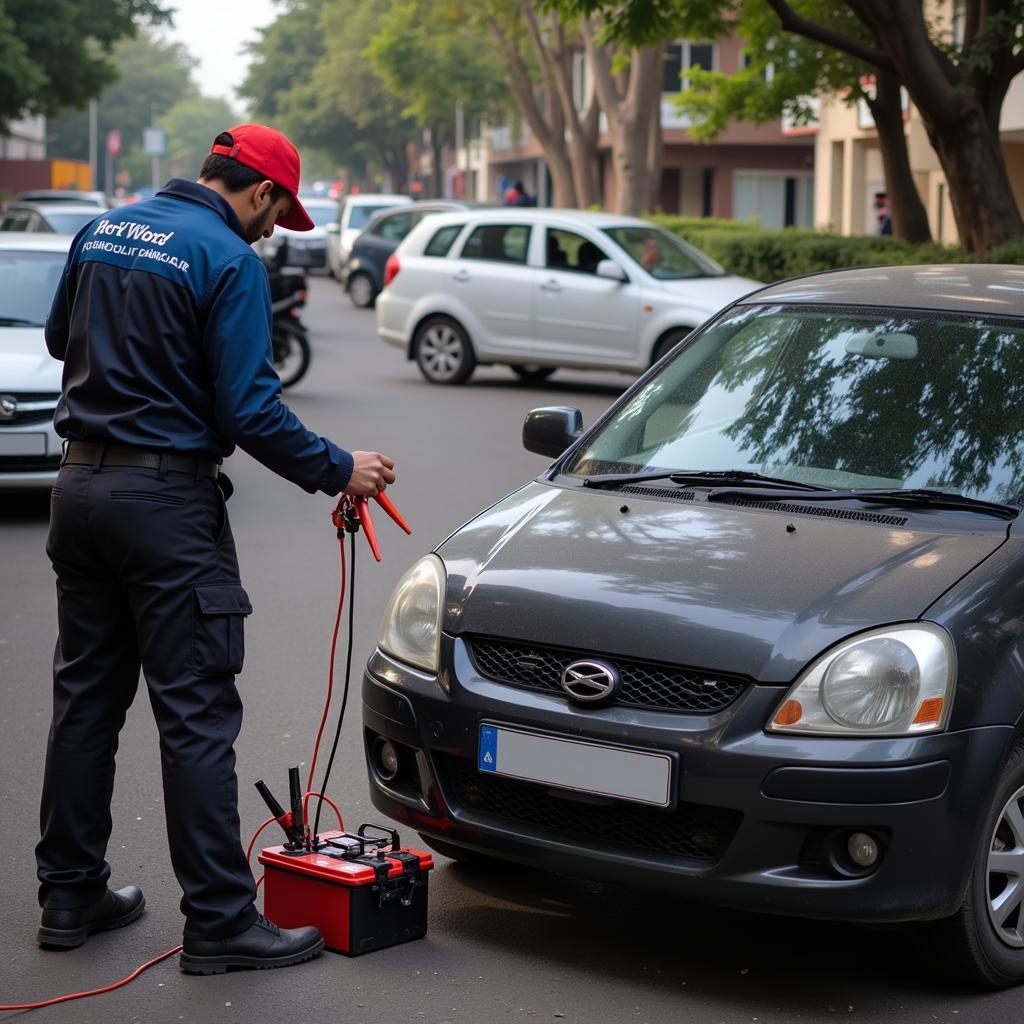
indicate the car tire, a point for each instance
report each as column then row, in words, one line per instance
column 443, row 351
column 361, row 290
column 532, row 374
column 667, row 342
column 972, row 944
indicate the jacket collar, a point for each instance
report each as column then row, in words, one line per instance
column 201, row 195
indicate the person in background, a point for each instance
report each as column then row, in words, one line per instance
column 883, row 211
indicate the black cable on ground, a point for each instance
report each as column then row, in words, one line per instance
column 348, row 677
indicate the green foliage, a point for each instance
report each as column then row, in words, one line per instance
column 56, row 54
column 191, row 126
column 154, row 75
column 773, row 255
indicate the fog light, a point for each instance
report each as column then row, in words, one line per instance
column 863, row 849
column 387, row 760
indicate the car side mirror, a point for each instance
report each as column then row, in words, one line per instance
column 549, row 431
column 611, row 270
column 334, row 228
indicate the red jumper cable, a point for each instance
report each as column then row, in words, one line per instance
column 348, row 516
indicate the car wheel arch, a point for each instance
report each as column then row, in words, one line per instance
column 661, row 346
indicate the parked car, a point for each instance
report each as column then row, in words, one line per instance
column 56, row 218
column 307, row 249
column 64, row 195
column 757, row 636
column 363, row 273
column 540, row 289
column 30, row 378
column 354, row 213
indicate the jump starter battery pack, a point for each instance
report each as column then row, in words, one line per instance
column 362, row 892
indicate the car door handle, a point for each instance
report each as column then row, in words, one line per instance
column 462, row 276
column 551, row 286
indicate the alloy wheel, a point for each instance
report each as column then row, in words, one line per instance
column 1005, row 873
column 441, row 352
column 360, row 289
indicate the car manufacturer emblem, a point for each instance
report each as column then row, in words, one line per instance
column 590, row 682
column 8, row 407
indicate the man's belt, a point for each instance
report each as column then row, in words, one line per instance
column 99, row 455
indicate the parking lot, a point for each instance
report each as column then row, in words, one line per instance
column 504, row 943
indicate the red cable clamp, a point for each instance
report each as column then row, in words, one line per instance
column 353, row 512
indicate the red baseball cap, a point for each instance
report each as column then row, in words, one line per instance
column 267, row 151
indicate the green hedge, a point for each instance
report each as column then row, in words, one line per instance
column 767, row 254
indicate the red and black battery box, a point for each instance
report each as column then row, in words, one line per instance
column 362, row 892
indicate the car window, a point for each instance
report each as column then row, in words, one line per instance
column 395, row 227
column 502, row 243
column 664, row 256
column 28, row 281
column 442, row 240
column 16, row 221
column 836, row 398
column 68, row 223
column 567, row 250
column 359, row 216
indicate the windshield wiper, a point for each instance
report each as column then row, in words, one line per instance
column 698, row 477
column 909, row 497
column 17, row 321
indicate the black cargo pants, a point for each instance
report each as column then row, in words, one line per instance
column 146, row 576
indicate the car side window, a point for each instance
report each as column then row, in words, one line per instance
column 566, row 250
column 501, row 243
column 17, row 221
column 442, row 240
column 395, row 227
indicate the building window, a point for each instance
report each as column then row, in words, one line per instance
column 767, row 72
column 959, row 22
column 680, row 57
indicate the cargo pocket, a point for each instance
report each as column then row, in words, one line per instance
column 218, row 628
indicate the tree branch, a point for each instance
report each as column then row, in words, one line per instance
column 801, row 26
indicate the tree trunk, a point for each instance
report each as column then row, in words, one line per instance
column 436, row 153
column 909, row 216
column 983, row 202
column 547, row 124
column 627, row 107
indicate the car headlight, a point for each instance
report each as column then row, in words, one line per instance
column 411, row 630
column 893, row 681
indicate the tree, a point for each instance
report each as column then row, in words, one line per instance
column 56, row 54
column 782, row 72
column 958, row 87
column 191, row 126
column 538, row 50
column 434, row 59
column 154, row 75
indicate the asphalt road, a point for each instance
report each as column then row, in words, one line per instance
column 504, row 944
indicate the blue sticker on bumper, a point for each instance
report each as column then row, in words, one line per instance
column 488, row 758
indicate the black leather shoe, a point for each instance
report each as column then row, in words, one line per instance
column 65, row 929
column 263, row 945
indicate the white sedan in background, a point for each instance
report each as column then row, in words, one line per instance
column 30, row 378
column 541, row 289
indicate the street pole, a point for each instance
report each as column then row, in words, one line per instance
column 94, row 169
column 155, row 159
column 109, row 177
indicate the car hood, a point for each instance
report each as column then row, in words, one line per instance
column 710, row 293
column 25, row 365
column 708, row 586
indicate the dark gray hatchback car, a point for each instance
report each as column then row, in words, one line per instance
column 757, row 636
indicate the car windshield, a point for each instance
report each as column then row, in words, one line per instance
column 842, row 399
column 321, row 214
column 360, row 215
column 28, row 281
column 65, row 223
column 662, row 255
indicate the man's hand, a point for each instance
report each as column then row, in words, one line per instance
column 371, row 473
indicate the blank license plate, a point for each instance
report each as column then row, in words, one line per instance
column 22, row 444
column 573, row 764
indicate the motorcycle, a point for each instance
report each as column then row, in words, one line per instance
column 288, row 333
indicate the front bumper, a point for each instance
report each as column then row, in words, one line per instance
column 30, row 455
column 758, row 818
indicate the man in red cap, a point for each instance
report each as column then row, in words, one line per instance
column 162, row 318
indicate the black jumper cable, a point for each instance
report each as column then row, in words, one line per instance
column 349, row 515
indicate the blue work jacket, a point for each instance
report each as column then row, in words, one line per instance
column 162, row 318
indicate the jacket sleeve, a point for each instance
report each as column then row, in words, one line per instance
column 250, row 410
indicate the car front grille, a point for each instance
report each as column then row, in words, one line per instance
column 645, row 684
column 691, row 832
column 31, row 407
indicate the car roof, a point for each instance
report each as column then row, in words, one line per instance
column 992, row 289
column 44, row 195
column 35, row 241
column 319, row 201
column 544, row 215
column 375, row 197
column 45, row 208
